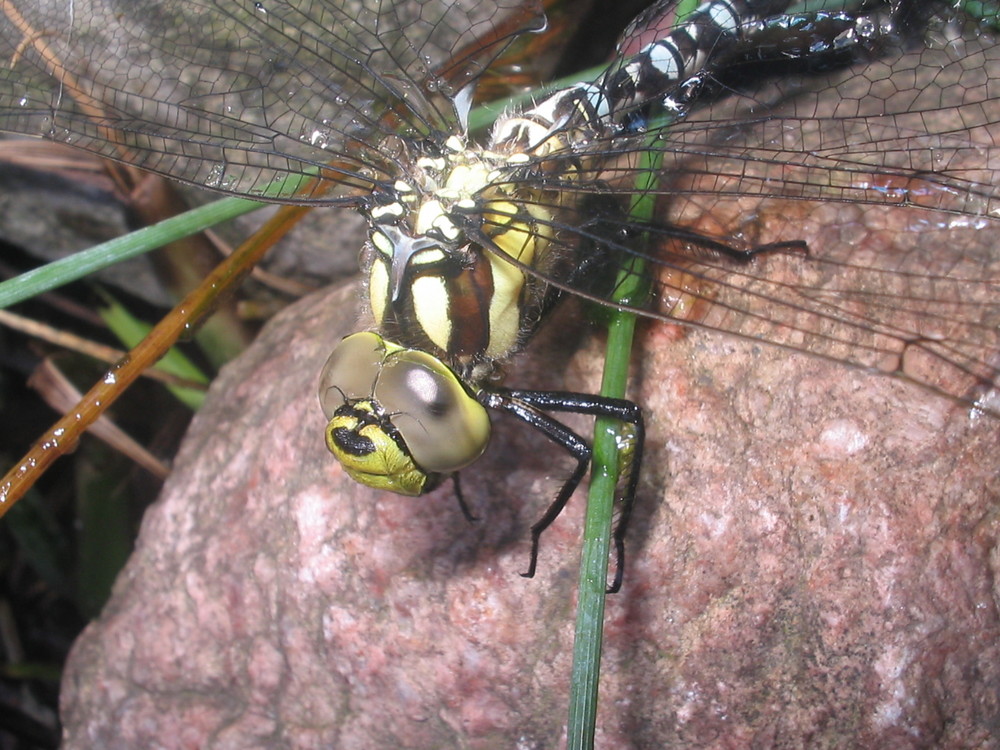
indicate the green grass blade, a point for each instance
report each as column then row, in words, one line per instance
column 585, row 681
column 986, row 11
column 106, row 254
column 484, row 115
column 589, row 633
column 130, row 331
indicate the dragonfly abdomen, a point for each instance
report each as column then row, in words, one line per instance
column 661, row 70
column 693, row 63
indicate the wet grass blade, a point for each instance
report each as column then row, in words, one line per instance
column 131, row 331
column 631, row 289
column 85, row 262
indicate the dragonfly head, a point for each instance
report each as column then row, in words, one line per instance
column 399, row 418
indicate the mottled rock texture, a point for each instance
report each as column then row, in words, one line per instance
column 812, row 564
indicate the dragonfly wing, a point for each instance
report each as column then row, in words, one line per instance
column 891, row 174
column 250, row 98
column 885, row 175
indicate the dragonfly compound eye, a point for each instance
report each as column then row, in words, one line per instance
column 399, row 418
column 351, row 370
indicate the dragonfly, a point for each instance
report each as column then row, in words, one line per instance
column 474, row 238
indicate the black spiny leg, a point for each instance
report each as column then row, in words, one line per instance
column 528, row 405
column 461, row 499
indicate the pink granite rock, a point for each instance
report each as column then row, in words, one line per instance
column 813, row 563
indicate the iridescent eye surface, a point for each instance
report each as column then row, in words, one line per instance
column 443, row 426
column 350, row 371
column 410, row 397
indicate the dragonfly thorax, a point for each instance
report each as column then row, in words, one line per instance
column 450, row 244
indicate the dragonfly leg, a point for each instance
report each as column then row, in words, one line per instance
column 528, row 406
column 462, row 504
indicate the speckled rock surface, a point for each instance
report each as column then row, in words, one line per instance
column 813, row 563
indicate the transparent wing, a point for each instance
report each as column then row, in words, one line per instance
column 246, row 97
column 885, row 174
column 887, row 171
